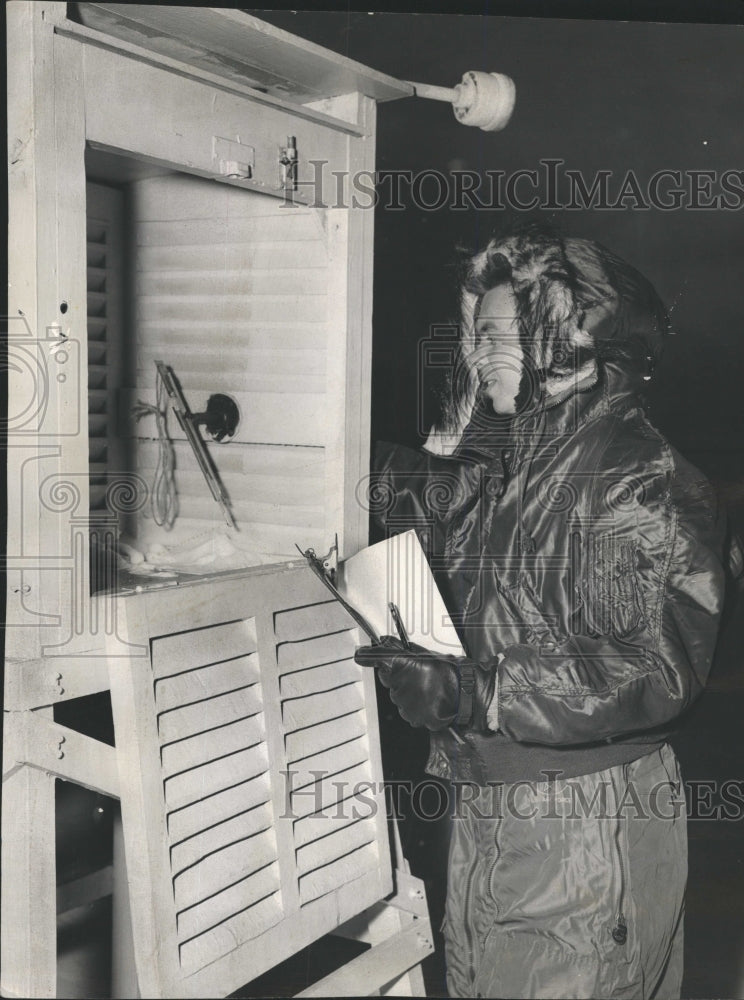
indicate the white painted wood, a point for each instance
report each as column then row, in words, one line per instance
column 220, row 798
column 29, row 929
column 280, row 61
column 85, row 890
column 231, row 831
column 114, row 125
column 311, row 709
column 123, row 969
column 61, row 752
column 188, row 771
column 36, row 683
column 325, row 678
column 359, row 339
column 374, row 968
column 31, row 267
column 306, row 742
column 193, row 685
column 315, row 651
column 190, row 649
column 188, row 822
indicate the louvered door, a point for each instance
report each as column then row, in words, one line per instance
column 232, row 290
column 252, row 799
column 105, row 282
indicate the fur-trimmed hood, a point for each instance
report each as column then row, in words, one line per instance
column 580, row 307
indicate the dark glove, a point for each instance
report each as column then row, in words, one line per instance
column 430, row 689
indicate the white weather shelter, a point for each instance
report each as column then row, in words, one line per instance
column 154, row 154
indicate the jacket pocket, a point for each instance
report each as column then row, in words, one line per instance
column 611, row 591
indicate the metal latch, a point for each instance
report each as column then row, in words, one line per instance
column 233, row 158
column 288, row 160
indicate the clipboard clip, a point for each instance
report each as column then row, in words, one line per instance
column 326, row 565
column 326, row 569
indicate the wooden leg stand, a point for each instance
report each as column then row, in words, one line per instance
column 29, row 890
column 400, row 934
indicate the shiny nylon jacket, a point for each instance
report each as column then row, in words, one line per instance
column 588, row 552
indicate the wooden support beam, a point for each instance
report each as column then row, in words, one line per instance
column 29, row 927
column 88, row 889
column 46, row 681
column 380, row 965
column 37, row 742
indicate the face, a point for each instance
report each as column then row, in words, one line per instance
column 498, row 356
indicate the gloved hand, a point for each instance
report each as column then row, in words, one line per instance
column 430, row 689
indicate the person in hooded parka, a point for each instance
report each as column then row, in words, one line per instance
column 581, row 559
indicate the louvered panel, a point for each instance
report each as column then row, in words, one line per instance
column 97, row 326
column 97, row 301
column 297, row 713
column 97, row 376
column 268, row 466
column 197, row 648
column 197, row 683
column 204, row 815
column 97, row 351
column 203, row 509
column 214, row 767
column 327, row 762
column 253, row 363
column 230, row 308
column 277, row 542
column 98, row 402
column 347, row 868
column 187, row 754
column 292, row 383
column 98, row 275
column 232, row 289
column 315, row 789
column 245, row 896
column 229, row 279
column 186, row 333
column 97, row 448
column 269, row 420
column 209, row 714
column 330, row 775
column 326, row 678
column 338, row 842
column 206, row 780
column 105, row 236
column 313, row 620
column 231, row 831
column 224, row 868
column 246, row 925
column 267, row 786
column 264, row 490
column 269, row 255
column 314, row 651
column 297, row 225
column 314, row 826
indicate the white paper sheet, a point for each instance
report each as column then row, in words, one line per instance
column 397, row 570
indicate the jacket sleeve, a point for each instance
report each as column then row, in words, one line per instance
column 408, row 488
column 648, row 596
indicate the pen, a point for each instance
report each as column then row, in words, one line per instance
column 407, row 645
column 399, row 625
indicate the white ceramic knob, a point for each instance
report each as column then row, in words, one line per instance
column 485, row 100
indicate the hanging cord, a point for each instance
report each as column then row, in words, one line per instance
column 163, row 496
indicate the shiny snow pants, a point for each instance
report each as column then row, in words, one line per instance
column 544, row 876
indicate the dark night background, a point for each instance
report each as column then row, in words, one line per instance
column 599, row 95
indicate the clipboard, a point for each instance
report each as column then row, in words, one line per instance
column 324, row 569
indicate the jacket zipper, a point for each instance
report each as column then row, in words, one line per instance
column 620, row 930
